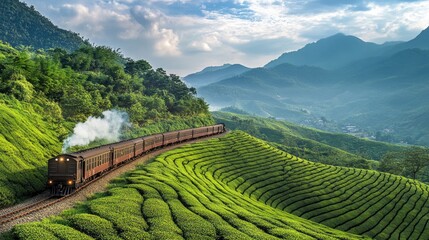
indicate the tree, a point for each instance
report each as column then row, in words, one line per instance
column 410, row 163
column 17, row 86
column 416, row 159
column 392, row 162
column 139, row 67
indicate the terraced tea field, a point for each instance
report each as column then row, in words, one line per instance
column 238, row 187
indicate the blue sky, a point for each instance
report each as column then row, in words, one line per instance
column 184, row 36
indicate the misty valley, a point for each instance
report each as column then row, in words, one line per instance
column 339, row 83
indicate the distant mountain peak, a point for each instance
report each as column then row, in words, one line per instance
column 423, row 35
column 215, row 68
column 330, row 52
column 214, row 74
column 421, row 41
column 341, row 37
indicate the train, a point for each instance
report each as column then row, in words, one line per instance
column 68, row 172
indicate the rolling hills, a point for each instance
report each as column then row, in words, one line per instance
column 310, row 143
column 239, row 187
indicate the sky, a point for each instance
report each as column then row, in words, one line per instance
column 184, row 36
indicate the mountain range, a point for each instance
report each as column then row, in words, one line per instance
column 376, row 87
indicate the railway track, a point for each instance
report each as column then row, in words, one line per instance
column 13, row 213
column 23, row 211
column 44, row 205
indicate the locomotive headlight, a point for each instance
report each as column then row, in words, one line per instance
column 69, row 182
column 68, row 159
column 61, row 159
column 56, row 159
column 50, row 181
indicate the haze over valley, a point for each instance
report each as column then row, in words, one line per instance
column 338, row 83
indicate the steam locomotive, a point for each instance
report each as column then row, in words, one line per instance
column 67, row 172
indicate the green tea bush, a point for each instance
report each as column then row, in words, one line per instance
column 65, row 232
column 33, row 231
column 94, row 226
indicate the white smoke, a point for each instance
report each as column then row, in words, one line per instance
column 94, row 128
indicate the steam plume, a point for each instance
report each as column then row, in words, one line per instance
column 106, row 127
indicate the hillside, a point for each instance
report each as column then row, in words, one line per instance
column 26, row 141
column 23, row 25
column 309, row 143
column 249, row 191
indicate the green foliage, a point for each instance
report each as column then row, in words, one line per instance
column 65, row 232
column 23, row 25
column 413, row 163
column 126, row 215
column 96, row 78
column 308, row 143
column 33, row 231
column 94, row 226
column 26, row 141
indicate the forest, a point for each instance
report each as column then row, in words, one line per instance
column 92, row 79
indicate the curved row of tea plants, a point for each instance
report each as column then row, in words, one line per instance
column 183, row 195
column 363, row 202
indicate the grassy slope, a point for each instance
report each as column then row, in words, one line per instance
column 239, row 187
column 319, row 145
column 26, row 141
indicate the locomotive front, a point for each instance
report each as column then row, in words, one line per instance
column 63, row 174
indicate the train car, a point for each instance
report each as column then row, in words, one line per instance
column 139, row 149
column 171, row 137
column 152, row 142
column 185, row 135
column 218, row 128
column 95, row 161
column 68, row 171
column 123, row 151
column 200, row 132
column 64, row 173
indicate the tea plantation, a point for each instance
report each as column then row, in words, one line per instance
column 239, row 187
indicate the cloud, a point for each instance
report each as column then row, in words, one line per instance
column 165, row 41
column 184, row 36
